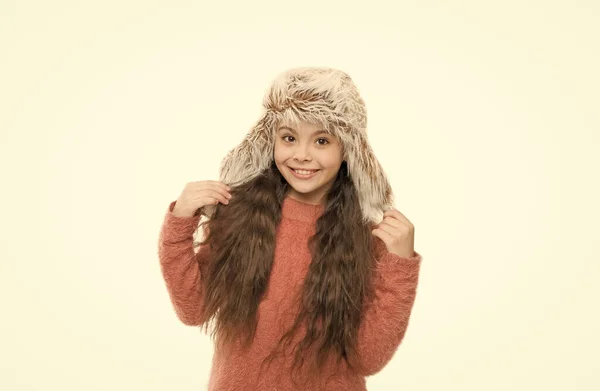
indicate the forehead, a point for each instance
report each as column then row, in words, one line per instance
column 302, row 127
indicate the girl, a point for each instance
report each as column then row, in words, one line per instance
column 307, row 284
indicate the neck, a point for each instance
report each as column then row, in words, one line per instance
column 300, row 210
column 312, row 200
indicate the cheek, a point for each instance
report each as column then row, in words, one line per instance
column 332, row 162
column 334, row 156
column 278, row 156
column 281, row 153
column 277, row 153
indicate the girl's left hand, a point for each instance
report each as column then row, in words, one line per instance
column 397, row 232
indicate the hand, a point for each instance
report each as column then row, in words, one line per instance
column 397, row 232
column 195, row 195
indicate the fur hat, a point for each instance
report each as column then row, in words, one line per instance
column 320, row 96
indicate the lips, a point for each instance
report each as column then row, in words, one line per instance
column 303, row 176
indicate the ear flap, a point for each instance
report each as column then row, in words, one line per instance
column 373, row 188
column 247, row 160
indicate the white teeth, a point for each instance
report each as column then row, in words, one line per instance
column 302, row 172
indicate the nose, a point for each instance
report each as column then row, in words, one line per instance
column 301, row 154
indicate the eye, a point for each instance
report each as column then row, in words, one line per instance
column 292, row 137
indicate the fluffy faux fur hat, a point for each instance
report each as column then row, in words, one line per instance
column 322, row 96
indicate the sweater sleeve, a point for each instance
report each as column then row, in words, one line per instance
column 386, row 316
column 181, row 267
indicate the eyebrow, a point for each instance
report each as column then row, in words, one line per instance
column 294, row 131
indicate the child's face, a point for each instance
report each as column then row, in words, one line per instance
column 300, row 147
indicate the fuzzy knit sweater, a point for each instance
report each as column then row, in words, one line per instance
column 383, row 327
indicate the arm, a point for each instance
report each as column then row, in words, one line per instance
column 386, row 316
column 181, row 266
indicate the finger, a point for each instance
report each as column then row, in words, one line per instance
column 219, row 185
column 224, row 196
column 382, row 234
column 397, row 214
column 388, row 229
column 391, row 221
column 209, row 201
column 210, row 184
column 217, row 196
column 213, row 201
column 225, row 193
column 220, row 188
column 225, row 186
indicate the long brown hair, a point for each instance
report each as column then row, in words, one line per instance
column 242, row 239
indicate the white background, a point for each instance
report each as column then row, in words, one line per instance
column 484, row 115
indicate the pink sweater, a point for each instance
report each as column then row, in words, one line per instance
column 385, row 319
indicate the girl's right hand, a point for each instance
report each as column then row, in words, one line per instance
column 195, row 195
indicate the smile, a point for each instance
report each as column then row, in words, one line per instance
column 304, row 174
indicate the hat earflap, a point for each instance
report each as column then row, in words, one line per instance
column 248, row 159
column 374, row 191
